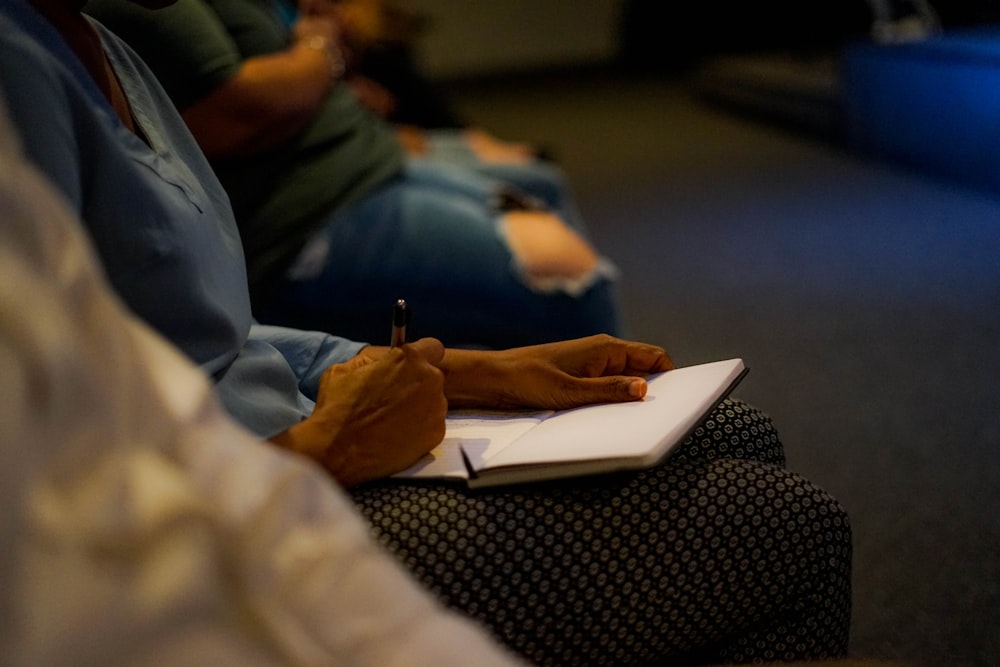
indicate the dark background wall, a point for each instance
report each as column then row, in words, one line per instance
column 654, row 39
column 473, row 38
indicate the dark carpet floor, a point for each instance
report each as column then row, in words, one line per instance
column 865, row 299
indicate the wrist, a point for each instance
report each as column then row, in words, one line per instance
column 477, row 379
column 299, row 438
column 329, row 49
column 314, row 438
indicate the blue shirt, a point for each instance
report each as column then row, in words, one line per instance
column 158, row 218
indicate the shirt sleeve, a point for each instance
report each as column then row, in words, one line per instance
column 273, row 382
column 184, row 43
column 308, row 353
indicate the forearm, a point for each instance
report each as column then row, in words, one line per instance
column 269, row 100
column 477, row 378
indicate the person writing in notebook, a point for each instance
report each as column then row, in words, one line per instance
column 720, row 554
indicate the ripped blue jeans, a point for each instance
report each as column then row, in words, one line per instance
column 435, row 236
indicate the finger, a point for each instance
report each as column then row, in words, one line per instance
column 646, row 358
column 610, row 389
column 431, row 349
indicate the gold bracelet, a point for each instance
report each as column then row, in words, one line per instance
column 330, row 50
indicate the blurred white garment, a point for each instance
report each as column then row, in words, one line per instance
column 139, row 524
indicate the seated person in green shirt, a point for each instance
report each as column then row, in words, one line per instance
column 337, row 219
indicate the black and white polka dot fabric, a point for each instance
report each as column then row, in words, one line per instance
column 719, row 555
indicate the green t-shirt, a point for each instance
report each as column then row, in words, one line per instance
column 283, row 196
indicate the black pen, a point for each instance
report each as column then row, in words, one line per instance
column 400, row 318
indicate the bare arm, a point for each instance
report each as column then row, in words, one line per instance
column 271, row 98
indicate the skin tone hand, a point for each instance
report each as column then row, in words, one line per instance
column 376, row 414
column 322, row 18
column 316, row 25
column 566, row 374
column 490, row 149
column 485, row 146
column 377, row 99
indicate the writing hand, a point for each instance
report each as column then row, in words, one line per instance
column 376, row 414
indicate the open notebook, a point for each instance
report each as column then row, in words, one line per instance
column 494, row 448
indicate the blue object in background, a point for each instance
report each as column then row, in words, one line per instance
column 933, row 105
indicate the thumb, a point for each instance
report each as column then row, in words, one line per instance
column 431, row 349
